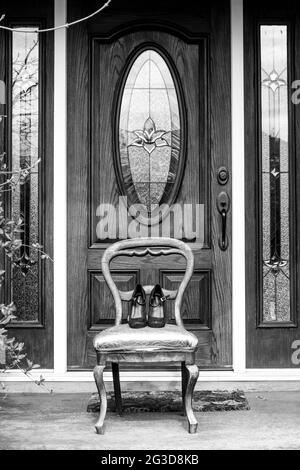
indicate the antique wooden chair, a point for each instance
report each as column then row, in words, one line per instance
column 172, row 343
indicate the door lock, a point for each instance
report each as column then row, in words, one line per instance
column 223, row 175
column 223, row 205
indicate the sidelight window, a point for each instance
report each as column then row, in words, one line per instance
column 274, row 175
column 25, row 153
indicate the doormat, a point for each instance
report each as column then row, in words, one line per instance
column 203, row 400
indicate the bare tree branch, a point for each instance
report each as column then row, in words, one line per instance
column 67, row 25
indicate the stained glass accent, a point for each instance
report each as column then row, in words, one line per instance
column 25, row 153
column 275, row 173
column 149, row 131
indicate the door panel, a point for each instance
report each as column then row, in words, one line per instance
column 101, row 308
column 272, row 32
column 195, row 43
column 26, row 135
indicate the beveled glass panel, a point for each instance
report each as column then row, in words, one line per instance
column 275, row 173
column 149, row 130
column 25, row 153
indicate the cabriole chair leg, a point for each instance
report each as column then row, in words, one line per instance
column 98, row 375
column 193, row 373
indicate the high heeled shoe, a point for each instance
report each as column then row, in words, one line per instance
column 137, row 317
column 156, row 315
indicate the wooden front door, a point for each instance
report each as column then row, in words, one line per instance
column 149, row 119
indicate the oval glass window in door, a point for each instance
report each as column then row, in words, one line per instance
column 150, row 132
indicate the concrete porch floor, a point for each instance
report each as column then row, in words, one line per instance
column 42, row 421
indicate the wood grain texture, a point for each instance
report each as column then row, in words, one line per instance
column 220, row 153
column 196, row 305
column 77, row 186
column 38, row 340
column 269, row 347
column 197, row 39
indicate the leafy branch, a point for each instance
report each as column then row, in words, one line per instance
column 11, row 244
column 13, row 241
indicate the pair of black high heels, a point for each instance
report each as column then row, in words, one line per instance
column 138, row 317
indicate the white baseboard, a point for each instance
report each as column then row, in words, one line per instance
column 162, row 376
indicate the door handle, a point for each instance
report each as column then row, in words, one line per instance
column 223, row 205
column 223, row 242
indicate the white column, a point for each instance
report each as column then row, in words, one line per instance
column 238, row 188
column 60, row 192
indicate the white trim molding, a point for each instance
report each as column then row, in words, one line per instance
column 238, row 188
column 60, row 191
column 261, row 375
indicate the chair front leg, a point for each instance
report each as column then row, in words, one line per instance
column 193, row 374
column 117, row 387
column 98, row 375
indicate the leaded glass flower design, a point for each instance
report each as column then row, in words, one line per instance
column 275, row 174
column 149, row 138
column 149, row 131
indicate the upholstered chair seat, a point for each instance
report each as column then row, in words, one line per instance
column 123, row 338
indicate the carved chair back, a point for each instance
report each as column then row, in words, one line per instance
column 142, row 247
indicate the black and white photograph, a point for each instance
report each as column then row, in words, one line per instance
column 149, row 228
